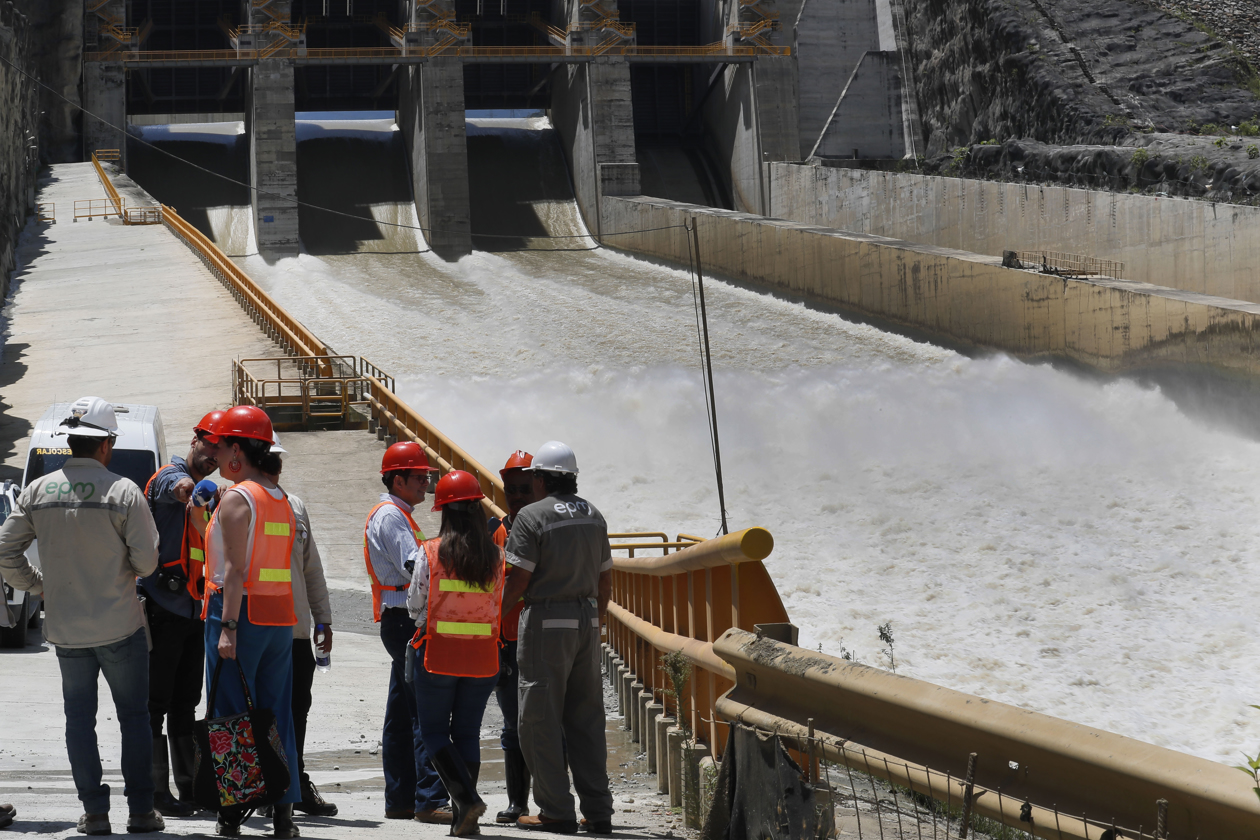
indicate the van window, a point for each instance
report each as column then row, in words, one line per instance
column 137, row 464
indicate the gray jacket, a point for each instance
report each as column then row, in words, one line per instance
column 96, row 536
column 310, row 590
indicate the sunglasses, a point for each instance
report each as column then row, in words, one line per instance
column 515, row 489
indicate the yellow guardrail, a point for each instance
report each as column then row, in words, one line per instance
column 115, row 200
column 469, row 52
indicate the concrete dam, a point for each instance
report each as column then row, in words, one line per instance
column 1044, row 477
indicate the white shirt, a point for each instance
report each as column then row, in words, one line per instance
column 393, row 549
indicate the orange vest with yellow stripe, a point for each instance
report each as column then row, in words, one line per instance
column 462, row 631
column 269, row 585
column 377, row 587
column 192, row 549
column 511, row 621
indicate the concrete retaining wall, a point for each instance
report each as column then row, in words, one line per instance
column 1197, row 246
column 1110, row 325
column 19, row 140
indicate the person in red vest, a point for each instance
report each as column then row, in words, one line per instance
column 391, row 546
column 456, row 599
column 172, row 603
column 248, row 607
column 519, row 489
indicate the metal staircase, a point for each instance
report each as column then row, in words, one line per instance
column 756, row 21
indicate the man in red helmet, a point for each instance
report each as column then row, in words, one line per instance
column 391, row 546
column 519, row 489
column 172, row 603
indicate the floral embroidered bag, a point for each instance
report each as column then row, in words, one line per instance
column 240, row 760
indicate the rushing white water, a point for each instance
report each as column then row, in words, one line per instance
column 1072, row 546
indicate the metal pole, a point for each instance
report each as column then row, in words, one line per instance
column 708, row 361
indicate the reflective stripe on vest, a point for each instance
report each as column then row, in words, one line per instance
column 377, row 587
column 511, row 621
column 462, row 629
column 192, row 555
column 270, row 582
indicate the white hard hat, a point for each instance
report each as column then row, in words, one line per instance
column 275, row 444
column 554, row 457
column 90, row 417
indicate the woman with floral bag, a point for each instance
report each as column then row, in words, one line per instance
column 249, row 613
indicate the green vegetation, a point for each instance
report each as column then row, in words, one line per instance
column 959, row 158
column 1210, row 128
column 1198, row 162
column 1252, row 767
column 1253, row 151
column 886, row 636
column 1139, row 158
column 1249, row 128
column 1114, row 121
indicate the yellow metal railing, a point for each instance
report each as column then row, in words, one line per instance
column 682, row 600
column 144, row 215
column 46, row 212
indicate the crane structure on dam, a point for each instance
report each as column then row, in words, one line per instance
column 718, row 79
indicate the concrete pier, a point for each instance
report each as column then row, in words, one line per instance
column 269, row 122
column 104, row 83
column 431, row 116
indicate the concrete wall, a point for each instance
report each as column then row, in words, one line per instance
column 58, row 50
column 1197, row 246
column 19, row 135
column 1110, row 325
column 104, row 87
column 431, row 117
column 867, row 119
column 831, row 37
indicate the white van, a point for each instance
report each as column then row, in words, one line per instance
column 138, row 452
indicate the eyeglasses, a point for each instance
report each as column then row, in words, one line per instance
column 517, row 489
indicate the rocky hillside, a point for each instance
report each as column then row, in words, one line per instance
column 1071, row 89
column 19, row 142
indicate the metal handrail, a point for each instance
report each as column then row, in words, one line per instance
column 46, row 211
column 1026, row 755
column 90, row 208
column 108, row 155
column 145, row 215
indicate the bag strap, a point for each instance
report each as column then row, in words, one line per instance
column 214, row 688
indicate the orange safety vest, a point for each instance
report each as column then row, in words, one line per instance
column 462, row 627
column 377, row 587
column 270, row 582
column 511, row 621
column 192, row 550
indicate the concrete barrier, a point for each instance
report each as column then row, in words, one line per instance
column 1196, row 246
column 960, row 297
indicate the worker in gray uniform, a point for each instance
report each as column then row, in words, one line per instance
column 561, row 564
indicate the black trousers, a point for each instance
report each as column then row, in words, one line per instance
column 176, row 663
column 303, row 678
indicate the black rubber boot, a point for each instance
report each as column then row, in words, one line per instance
column 163, row 802
column 461, row 784
column 282, row 821
column 183, row 763
column 517, row 787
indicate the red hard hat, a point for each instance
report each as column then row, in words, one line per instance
column 207, row 425
column 457, row 486
column 520, row 460
column 404, row 456
column 247, row 421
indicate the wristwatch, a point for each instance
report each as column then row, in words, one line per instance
column 230, row 624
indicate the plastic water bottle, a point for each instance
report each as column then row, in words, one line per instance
column 204, row 492
column 323, row 661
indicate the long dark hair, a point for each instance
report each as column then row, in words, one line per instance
column 466, row 549
column 257, row 452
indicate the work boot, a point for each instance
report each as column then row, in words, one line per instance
column 183, row 766
column 7, row 813
column 436, row 816
column 163, row 802
column 94, row 824
column 282, row 822
column 517, row 787
column 545, row 823
column 596, row 826
column 460, row 782
column 144, row 823
column 312, row 803
column 229, row 822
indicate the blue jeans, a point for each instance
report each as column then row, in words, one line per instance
column 506, row 693
column 125, row 665
column 410, row 780
column 265, row 655
column 450, row 710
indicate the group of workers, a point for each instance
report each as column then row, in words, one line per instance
column 509, row 606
